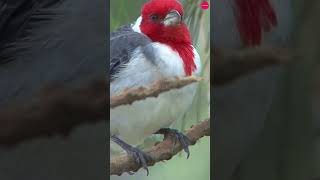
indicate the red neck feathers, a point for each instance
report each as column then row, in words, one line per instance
column 177, row 37
column 254, row 17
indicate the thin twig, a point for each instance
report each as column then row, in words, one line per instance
column 165, row 150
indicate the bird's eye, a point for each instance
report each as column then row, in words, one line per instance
column 154, row 17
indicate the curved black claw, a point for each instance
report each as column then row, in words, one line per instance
column 140, row 157
column 183, row 139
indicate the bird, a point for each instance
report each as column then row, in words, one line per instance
column 241, row 106
column 157, row 46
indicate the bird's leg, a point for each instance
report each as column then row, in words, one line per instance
column 140, row 157
column 183, row 139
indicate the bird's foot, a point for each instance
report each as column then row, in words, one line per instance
column 183, row 139
column 140, row 157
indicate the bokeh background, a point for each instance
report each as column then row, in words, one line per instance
column 266, row 123
column 198, row 165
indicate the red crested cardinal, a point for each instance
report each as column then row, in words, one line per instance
column 157, row 46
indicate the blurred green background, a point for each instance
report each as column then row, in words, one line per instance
column 198, row 165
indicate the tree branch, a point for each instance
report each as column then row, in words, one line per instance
column 130, row 95
column 57, row 110
column 165, row 150
column 229, row 65
column 60, row 108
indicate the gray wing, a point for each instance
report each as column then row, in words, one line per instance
column 123, row 42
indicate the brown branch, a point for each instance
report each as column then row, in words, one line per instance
column 130, row 95
column 160, row 152
column 229, row 65
column 56, row 110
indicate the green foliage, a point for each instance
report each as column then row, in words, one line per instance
column 124, row 12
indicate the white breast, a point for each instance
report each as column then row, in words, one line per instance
column 135, row 122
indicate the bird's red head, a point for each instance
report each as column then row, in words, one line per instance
column 254, row 17
column 162, row 21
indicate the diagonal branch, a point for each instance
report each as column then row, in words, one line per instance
column 56, row 110
column 231, row 64
column 60, row 108
column 130, row 95
column 165, row 150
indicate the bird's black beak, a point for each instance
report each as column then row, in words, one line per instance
column 173, row 18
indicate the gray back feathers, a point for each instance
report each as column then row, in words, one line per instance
column 123, row 43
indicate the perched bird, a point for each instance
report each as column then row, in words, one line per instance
column 157, row 46
column 241, row 107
